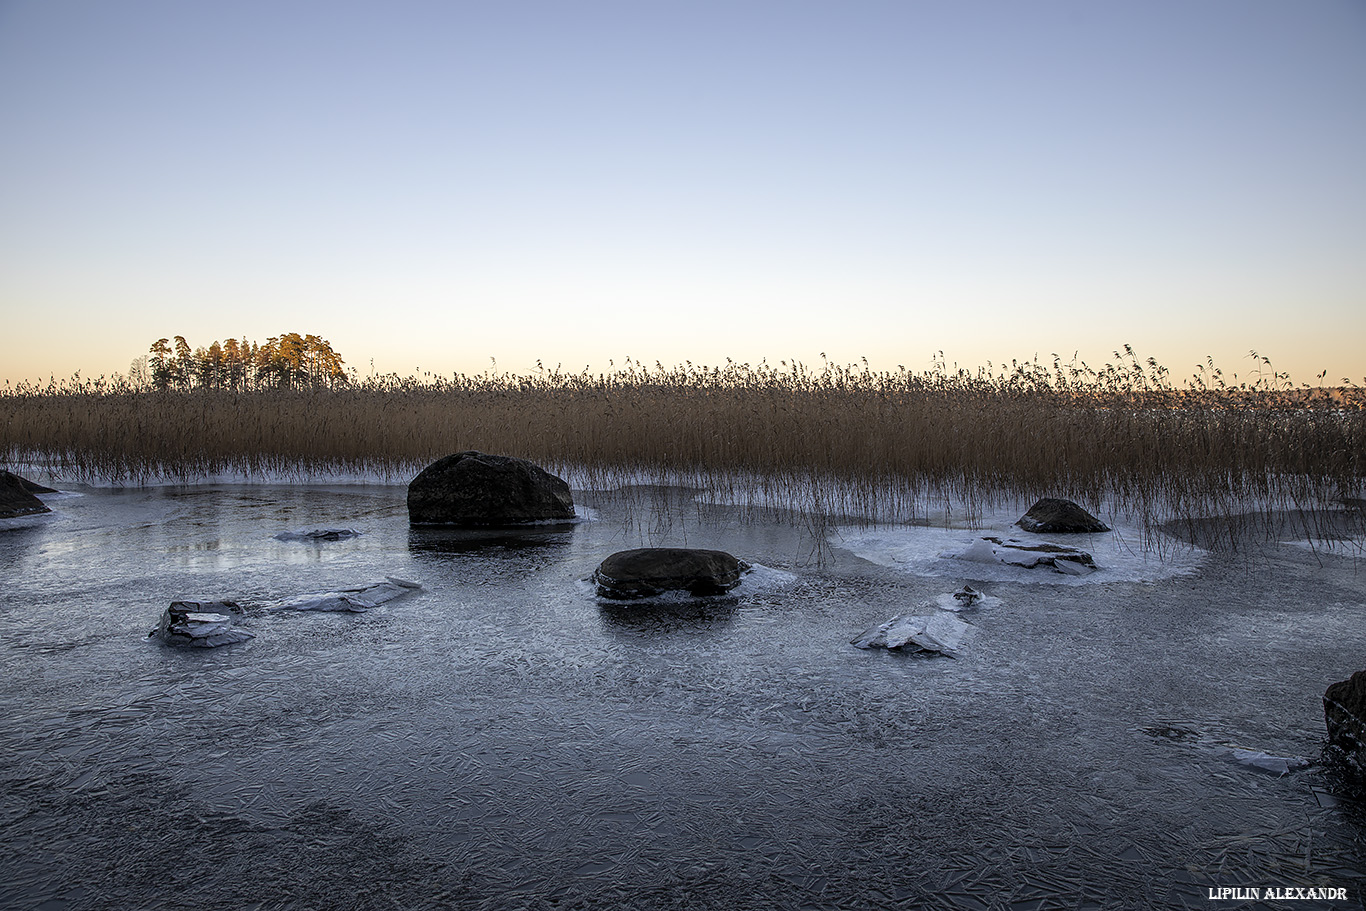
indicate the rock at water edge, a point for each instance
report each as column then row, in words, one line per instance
column 1344, row 712
column 474, row 488
column 1053, row 515
column 16, row 497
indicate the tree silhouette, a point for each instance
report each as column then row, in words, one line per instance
column 288, row 361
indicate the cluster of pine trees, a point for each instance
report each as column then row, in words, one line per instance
column 289, row 361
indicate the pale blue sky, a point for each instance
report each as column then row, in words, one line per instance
column 434, row 184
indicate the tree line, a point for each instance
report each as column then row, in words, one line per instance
column 289, row 361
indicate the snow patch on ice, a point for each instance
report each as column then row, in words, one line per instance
column 962, row 552
column 761, row 578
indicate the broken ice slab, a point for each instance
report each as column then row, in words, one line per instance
column 349, row 599
column 1059, row 558
column 199, row 624
column 1276, row 765
column 317, row 534
column 939, row 634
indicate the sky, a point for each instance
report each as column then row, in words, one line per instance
column 439, row 187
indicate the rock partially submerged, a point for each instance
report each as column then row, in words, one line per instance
column 937, row 634
column 474, row 488
column 1344, row 712
column 1051, row 516
column 650, row 571
column 965, row 598
column 1058, row 558
column 349, row 599
column 199, row 624
column 17, row 496
column 317, row 535
column 968, row 596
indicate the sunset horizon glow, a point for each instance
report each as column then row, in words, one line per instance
column 458, row 188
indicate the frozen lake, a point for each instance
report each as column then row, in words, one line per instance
column 501, row 739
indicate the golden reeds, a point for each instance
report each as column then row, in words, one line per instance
column 841, row 439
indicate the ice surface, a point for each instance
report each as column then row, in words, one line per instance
column 1337, row 547
column 504, row 740
column 29, row 521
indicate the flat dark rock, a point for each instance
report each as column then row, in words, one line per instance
column 474, row 489
column 1344, row 711
column 1052, row 515
column 16, row 499
column 654, row 570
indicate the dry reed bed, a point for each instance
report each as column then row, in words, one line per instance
column 879, row 445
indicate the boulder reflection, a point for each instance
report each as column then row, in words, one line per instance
column 668, row 614
column 430, row 540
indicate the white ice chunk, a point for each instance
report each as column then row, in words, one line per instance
column 940, row 632
column 980, row 551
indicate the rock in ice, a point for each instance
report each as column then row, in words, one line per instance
column 1058, row 558
column 317, row 534
column 349, row 599
column 199, row 624
column 967, row 596
column 939, row 634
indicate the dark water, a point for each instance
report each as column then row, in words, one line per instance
column 502, row 740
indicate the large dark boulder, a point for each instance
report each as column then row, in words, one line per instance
column 655, row 570
column 473, row 488
column 16, row 498
column 1051, row 516
column 1344, row 711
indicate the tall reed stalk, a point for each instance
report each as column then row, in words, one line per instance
column 840, row 440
